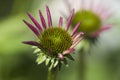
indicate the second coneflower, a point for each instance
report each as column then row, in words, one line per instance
column 55, row 43
column 93, row 17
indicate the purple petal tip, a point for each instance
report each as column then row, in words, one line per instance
column 60, row 22
column 34, row 21
column 31, row 27
column 75, row 28
column 42, row 19
column 69, row 20
column 49, row 16
column 33, row 43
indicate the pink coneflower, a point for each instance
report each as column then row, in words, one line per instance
column 93, row 16
column 55, row 42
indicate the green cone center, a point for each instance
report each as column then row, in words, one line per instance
column 90, row 22
column 56, row 40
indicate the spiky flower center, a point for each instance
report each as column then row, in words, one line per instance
column 90, row 22
column 56, row 40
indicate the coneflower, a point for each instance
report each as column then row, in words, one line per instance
column 93, row 17
column 55, row 43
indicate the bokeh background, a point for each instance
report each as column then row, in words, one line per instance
column 17, row 62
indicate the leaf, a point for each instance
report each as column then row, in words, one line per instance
column 59, row 65
column 52, row 63
column 47, row 61
column 51, row 66
column 34, row 47
column 65, row 62
column 55, row 64
column 36, row 50
column 70, row 57
column 41, row 58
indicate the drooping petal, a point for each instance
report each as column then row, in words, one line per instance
column 69, row 20
column 42, row 19
column 60, row 22
column 49, row 16
column 33, row 43
column 75, row 28
column 76, row 42
column 35, row 21
column 60, row 56
column 32, row 28
column 104, row 28
column 79, row 38
column 68, row 51
column 76, row 36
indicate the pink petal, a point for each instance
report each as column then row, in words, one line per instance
column 68, row 51
column 33, row 43
column 69, row 20
column 32, row 28
column 77, row 36
column 75, row 28
column 76, row 42
column 60, row 56
column 49, row 16
column 42, row 19
column 104, row 28
column 34, row 21
column 60, row 22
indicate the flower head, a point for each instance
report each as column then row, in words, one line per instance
column 93, row 17
column 54, row 43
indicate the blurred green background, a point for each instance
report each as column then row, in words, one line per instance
column 18, row 63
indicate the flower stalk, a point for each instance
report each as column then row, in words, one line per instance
column 82, row 60
column 52, row 74
column 82, row 65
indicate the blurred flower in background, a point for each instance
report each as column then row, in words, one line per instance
column 93, row 16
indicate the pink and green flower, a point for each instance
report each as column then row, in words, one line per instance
column 93, row 17
column 55, row 43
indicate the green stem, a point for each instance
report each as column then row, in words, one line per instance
column 82, row 65
column 52, row 74
column 82, row 60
